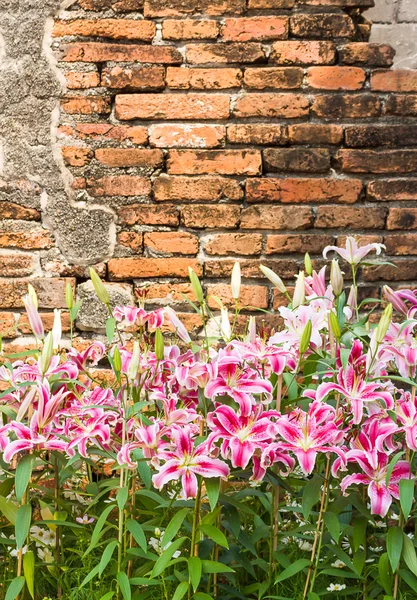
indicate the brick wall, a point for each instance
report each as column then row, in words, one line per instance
column 200, row 132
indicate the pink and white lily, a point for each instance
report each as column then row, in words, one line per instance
column 352, row 253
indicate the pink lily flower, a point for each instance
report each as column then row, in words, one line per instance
column 31, row 438
column 185, row 462
column 35, row 320
column 94, row 430
column 260, row 354
column 406, row 411
column 353, row 254
column 272, row 454
column 180, row 328
column 89, row 357
column 295, row 322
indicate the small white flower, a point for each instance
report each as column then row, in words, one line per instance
column 380, row 524
column 376, row 549
column 336, row 587
column 15, row 552
column 156, row 545
column 411, row 535
column 338, row 564
column 305, row 545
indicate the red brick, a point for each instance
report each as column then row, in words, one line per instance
column 12, row 210
column 364, row 53
column 372, row 161
column 258, row 133
column 203, row 216
column 7, row 325
column 50, row 291
column 346, row 107
column 132, row 240
column 55, row 264
column 367, row 136
column 129, row 157
column 276, row 217
column 170, row 293
column 303, row 53
column 203, row 79
column 100, row 52
column 250, row 267
column 187, row 136
column 274, row 77
column 292, row 243
column 149, row 214
column 401, row 244
column 134, row 77
column 322, row 25
column 175, row 8
column 171, row 242
column 352, row 217
column 17, row 264
column 192, row 322
column 345, row 191
column 405, row 106
column 245, row 53
column 220, row 162
column 394, row 81
column 89, row 105
column 341, row 3
column 75, row 156
column 196, row 189
column 132, row 268
column 304, row 160
column 224, row 244
column 32, row 238
column 82, row 79
column 172, row 106
column 118, row 29
column 47, row 320
column 122, row 185
column 401, row 270
column 402, row 218
column 309, row 133
column 255, row 29
column 270, row 4
column 136, row 134
column 189, row 29
column 336, row 78
column 251, row 296
column 393, row 189
column 117, row 5
column 285, row 106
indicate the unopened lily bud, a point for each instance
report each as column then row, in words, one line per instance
column 33, row 295
column 69, row 296
column 299, row 291
column 383, row 324
column 335, row 326
column 395, row 299
column 225, row 325
column 251, row 335
column 196, row 285
column 99, row 287
column 134, row 362
column 117, row 360
column 305, row 338
column 32, row 313
column 336, row 278
column 308, row 265
column 159, row 345
column 57, row 329
column 48, row 348
column 274, row 278
column 236, row 281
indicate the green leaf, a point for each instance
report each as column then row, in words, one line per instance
column 311, row 495
column 123, row 581
column 333, row 525
column 23, row 520
column 409, row 554
column 8, row 509
column 293, row 569
column 174, row 526
column 29, row 571
column 406, row 496
column 394, row 546
column 107, row 596
column 408, row 578
column 312, row 596
column 384, row 573
column 136, row 530
column 215, row 534
column 202, row 596
column 122, row 496
column 89, row 577
column 213, row 490
column 181, row 590
column 212, row 566
column 391, row 466
column 106, row 557
column 23, row 475
column 97, row 529
column 195, row 569
column 144, row 581
column 110, row 328
column 15, row 588
column 359, row 532
column 165, row 558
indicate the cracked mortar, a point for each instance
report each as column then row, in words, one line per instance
column 32, row 171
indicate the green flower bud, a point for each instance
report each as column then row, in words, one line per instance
column 159, row 345
column 48, row 348
column 336, row 278
column 384, row 324
column 196, row 285
column 308, row 265
column 117, row 360
column 335, row 326
column 305, row 338
column 99, row 287
column 69, row 296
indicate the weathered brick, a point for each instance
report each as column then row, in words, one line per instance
column 367, row 136
column 136, row 268
column 221, row 162
column 365, row 53
column 224, row 244
column 373, row 161
column 285, row 106
column 129, row 157
column 149, row 214
column 305, row 160
column 76, row 156
column 274, row 77
column 398, row 80
column 17, row 264
column 89, row 105
column 122, row 29
column 132, row 240
column 257, row 133
column 47, row 320
column 402, row 218
column 101, row 52
column 238, row 52
column 170, row 293
column 171, row 242
column 134, row 77
column 187, row 136
column 117, row 5
column 310, row 133
column 340, row 3
column 358, row 217
column 196, row 189
column 172, row 106
column 401, row 270
column 303, row 190
column 136, row 134
column 255, row 28
column 251, row 296
column 12, row 210
column 160, row 8
column 178, row 78
column 203, row 216
column 303, row 53
column 77, row 80
column 401, row 244
column 336, row 78
column 120, row 185
column 276, row 217
column 270, row 4
column 291, row 243
column 357, row 106
column 50, row 291
column 250, row 267
column 393, row 189
column 7, row 325
column 190, row 29
column 405, row 106
column 191, row 321
column 322, row 25
column 19, row 235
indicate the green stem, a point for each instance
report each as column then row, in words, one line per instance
column 196, row 518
